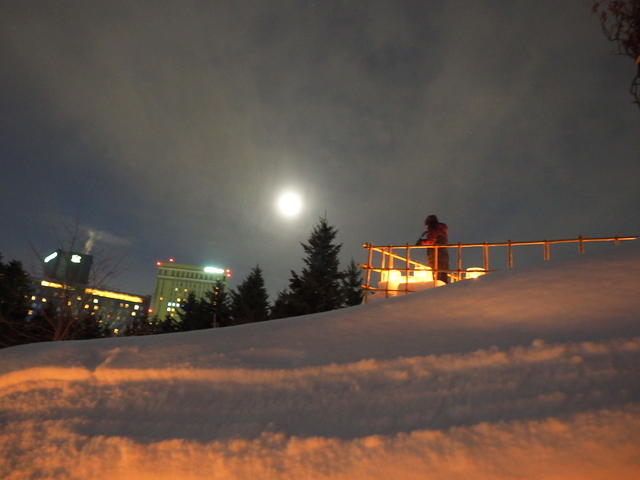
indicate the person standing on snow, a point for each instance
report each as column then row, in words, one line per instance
column 436, row 234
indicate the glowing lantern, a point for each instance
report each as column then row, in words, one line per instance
column 474, row 272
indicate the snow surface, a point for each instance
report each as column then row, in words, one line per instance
column 529, row 373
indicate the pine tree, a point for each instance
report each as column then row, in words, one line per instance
column 217, row 305
column 193, row 314
column 317, row 288
column 15, row 290
column 250, row 301
column 281, row 307
column 352, row 285
column 142, row 325
column 168, row 324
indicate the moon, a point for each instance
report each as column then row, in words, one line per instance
column 289, row 204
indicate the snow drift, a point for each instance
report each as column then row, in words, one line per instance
column 529, row 373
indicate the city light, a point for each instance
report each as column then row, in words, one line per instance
column 76, row 258
column 48, row 258
column 114, row 295
column 213, row 270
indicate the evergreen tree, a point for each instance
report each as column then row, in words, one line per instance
column 194, row 315
column 15, row 291
column 318, row 287
column 168, row 324
column 217, row 304
column 352, row 285
column 142, row 325
column 281, row 307
column 250, row 301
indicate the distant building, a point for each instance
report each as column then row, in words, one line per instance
column 69, row 268
column 115, row 309
column 175, row 281
column 66, row 288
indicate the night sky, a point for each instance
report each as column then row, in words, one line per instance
column 171, row 127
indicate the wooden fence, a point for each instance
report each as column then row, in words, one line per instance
column 386, row 264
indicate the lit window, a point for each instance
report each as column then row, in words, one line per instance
column 30, row 312
column 136, row 307
column 96, row 307
column 95, row 300
column 133, row 314
column 33, row 297
column 44, row 300
column 78, row 298
column 76, row 258
column 116, row 331
column 86, row 306
column 168, row 309
column 126, row 305
column 68, row 304
column 48, row 258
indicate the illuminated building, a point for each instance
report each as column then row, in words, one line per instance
column 70, row 268
column 115, row 309
column 175, row 281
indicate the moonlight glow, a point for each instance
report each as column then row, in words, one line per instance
column 289, row 204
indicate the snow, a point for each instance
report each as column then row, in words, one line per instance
column 529, row 373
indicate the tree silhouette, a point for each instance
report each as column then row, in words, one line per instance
column 217, row 306
column 249, row 300
column 352, row 285
column 318, row 287
column 620, row 20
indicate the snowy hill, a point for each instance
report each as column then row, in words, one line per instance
column 521, row 374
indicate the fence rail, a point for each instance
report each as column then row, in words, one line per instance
column 388, row 263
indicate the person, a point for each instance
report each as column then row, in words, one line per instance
column 436, row 234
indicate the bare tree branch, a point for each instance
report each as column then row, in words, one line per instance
column 620, row 21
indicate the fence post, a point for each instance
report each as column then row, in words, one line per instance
column 406, row 270
column 580, row 244
column 509, row 254
column 368, row 275
column 485, row 257
column 547, row 251
column 383, row 267
column 435, row 265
